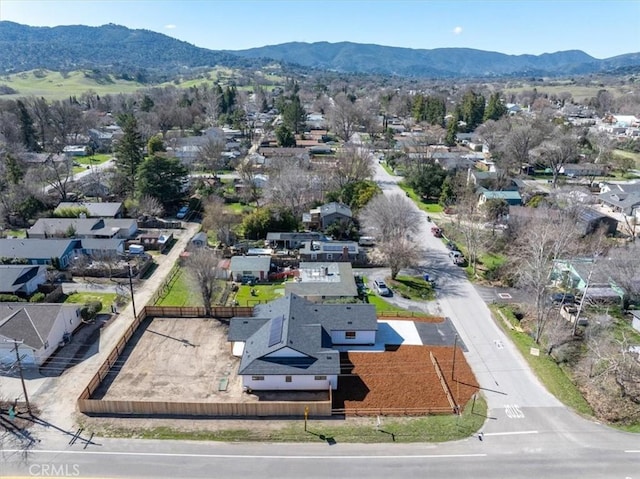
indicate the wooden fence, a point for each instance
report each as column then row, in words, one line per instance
column 443, row 382
column 87, row 405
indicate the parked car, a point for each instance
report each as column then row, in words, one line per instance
column 563, row 297
column 457, row 257
column 381, row 287
column 437, row 232
column 452, row 246
column 182, row 212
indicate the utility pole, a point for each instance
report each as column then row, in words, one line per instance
column 453, row 366
column 133, row 301
column 24, row 386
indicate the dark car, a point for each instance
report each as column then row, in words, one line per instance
column 452, row 246
column 563, row 298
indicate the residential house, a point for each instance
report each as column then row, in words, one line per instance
column 83, row 228
column 294, row 240
column 318, row 282
column 586, row 276
column 21, row 279
column 326, row 215
column 94, row 209
column 99, row 248
column 40, row 251
column 325, row 251
column 621, row 198
column 39, row 326
column 255, row 267
column 511, row 197
column 590, row 221
column 288, row 343
column 155, row 241
column 583, row 169
column 199, row 240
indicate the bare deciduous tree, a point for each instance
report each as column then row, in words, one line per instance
column 353, row 163
column 344, row 116
column 202, row 265
column 557, row 151
column 210, row 154
column 390, row 218
column 399, row 254
column 538, row 243
column 220, row 219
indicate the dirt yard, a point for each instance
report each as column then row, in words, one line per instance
column 175, row 360
column 403, row 381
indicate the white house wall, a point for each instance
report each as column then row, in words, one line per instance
column 67, row 321
column 31, row 286
column 298, row 383
column 361, row 337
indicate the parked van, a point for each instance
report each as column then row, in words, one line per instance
column 366, row 241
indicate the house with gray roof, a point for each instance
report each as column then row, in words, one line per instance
column 327, row 214
column 320, row 282
column 39, row 251
column 83, row 228
column 325, row 251
column 94, row 209
column 292, row 240
column 21, row 279
column 255, row 267
column 288, row 343
column 621, row 198
column 40, row 327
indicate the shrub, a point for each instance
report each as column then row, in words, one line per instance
column 90, row 310
column 11, row 298
column 37, row 298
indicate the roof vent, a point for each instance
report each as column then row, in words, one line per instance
column 349, row 322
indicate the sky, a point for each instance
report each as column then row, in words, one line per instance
column 601, row 28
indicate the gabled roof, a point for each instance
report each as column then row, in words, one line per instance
column 29, row 322
column 12, row 277
column 35, row 248
column 335, row 207
column 250, row 263
column 96, row 210
column 323, row 279
column 293, row 336
column 81, row 226
column 501, row 194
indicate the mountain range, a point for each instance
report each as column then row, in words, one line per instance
column 119, row 48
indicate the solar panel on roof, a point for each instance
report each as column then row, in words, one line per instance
column 275, row 331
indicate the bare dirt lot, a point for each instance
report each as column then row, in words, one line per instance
column 171, row 359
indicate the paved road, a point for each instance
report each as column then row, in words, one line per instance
column 528, row 432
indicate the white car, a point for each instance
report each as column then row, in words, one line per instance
column 381, row 287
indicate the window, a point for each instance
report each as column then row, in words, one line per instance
column 350, row 335
column 329, row 256
column 257, row 378
column 320, row 378
column 287, row 379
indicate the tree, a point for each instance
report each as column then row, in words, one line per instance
column 147, row 205
column 128, row 151
column 155, row 145
column 210, row 154
column 354, row 163
column 260, row 221
column 495, row 108
column 468, row 221
column 285, row 137
column 426, row 179
column 495, row 209
column 471, row 110
column 27, row 129
column 220, row 219
column 163, row 178
column 343, row 117
column 399, row 254
column 560, row 149
column 390, row 218
column 451, row 137
column 538, row 243
column 293, row 114
column 202, row 266
column 57, row 172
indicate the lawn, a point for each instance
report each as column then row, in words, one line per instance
column 85, row 162
column 263, row 293
column 426, row 207
column 434, row 429
column 180, row 292
column 82, row 298
column 412, row 287
column 240, row 208
column 15, row 233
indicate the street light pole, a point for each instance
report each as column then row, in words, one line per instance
column 133, row 301
column 24, row 386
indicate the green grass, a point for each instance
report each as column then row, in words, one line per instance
column 81, row 298
column 15, row 233
column 552, row 376
column 181, row 292
column 412, row 287
column 578, row 92
column 628, row 154
column 54, row 86
column 426, row 207
column 264, row 293
column 440, row 428
column 240, row 208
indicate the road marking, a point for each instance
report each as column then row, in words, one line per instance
column 239, row 456
column 513, row 412
column 504, row 296
column 512, row 433
column 632, row 451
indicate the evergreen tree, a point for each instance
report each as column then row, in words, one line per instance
column 471, row 110
column 495, row 108
column 293, row 114
column 129, row 151
column 162, row 178
column 452, row 130
column 285, row 137
column 27, row 130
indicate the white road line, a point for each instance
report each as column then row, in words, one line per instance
column 632, row 451
column 513, row 433
column 240, row 456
